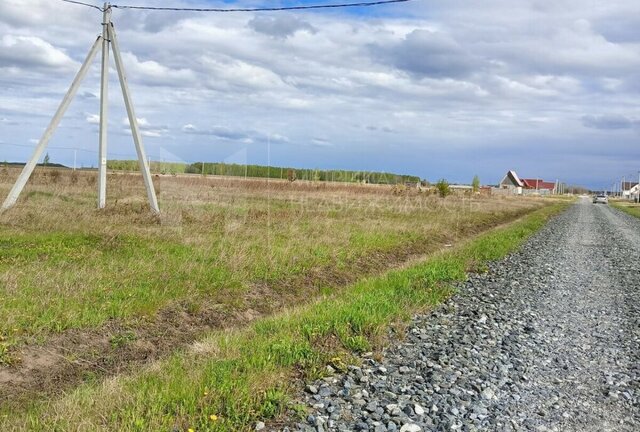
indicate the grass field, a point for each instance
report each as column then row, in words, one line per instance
column 86, row 294
column 628, row 207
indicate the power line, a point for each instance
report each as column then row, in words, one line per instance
column 267, row 9
column 83, row 4
column 257, row 9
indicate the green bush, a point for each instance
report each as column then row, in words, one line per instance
column 443, row 188
column 475, row 184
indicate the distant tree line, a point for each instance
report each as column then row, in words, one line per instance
column 576, row 190
column 261, row 171
column 156, row 167
column 292, row 174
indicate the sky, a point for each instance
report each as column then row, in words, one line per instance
column 434, row 88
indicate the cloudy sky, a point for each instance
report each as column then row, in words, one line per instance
column 435, row 88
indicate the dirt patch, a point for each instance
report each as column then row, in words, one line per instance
column 65, row 360
column 75, row 356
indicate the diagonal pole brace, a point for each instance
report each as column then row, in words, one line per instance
column 48, row 133
column 133, row 122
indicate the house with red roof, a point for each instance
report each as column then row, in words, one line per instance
column 518, row 186
column 539, row 184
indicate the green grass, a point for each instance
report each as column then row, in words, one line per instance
column 64, row 265
column 627, row 207
column 148, row 275
column 242, row 376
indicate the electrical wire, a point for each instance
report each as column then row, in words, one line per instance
column 83, row 4
column 266, row 9
column 256, row 9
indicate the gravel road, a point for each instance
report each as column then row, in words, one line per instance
column 547, row 340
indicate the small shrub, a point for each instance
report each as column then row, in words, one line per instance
column 443, row 188
column 475, row 184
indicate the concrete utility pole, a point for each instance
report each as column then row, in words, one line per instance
column 107, row 38
column 619, row 188
column 104, row 109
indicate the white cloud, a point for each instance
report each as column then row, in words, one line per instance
column 321, row 142
column 236, row 134
column 32, row 52
column 94, row 119
column 449, row 81
column 229, row 73
column 146, row 128
column 153, row 73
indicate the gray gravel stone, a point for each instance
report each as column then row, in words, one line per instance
column 548, row 339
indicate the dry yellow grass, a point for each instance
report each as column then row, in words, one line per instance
column 65, row 264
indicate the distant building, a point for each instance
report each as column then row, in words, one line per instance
column 460, row 189
column 539, row 184
column 517, row 186
column 629, row 189
column 512, row 183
